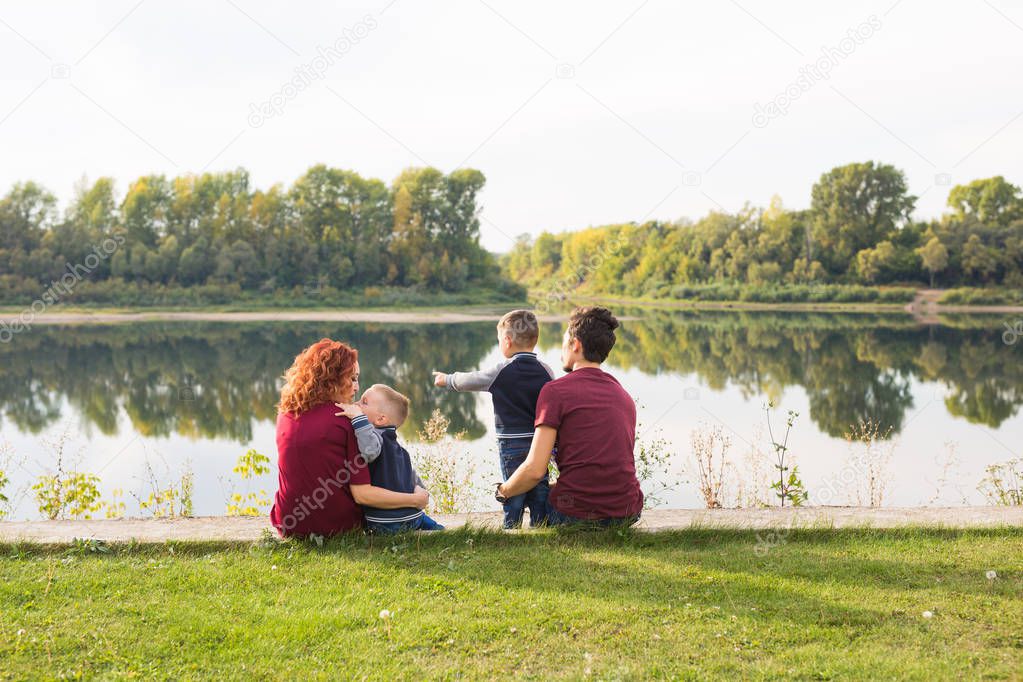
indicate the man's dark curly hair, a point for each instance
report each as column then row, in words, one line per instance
column 595, row 328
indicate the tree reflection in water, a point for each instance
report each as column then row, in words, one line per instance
column 853, row 367
column 217, row 379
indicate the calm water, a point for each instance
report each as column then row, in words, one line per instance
column 137, row 404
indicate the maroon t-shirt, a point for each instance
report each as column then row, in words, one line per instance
column 596, row 423
column 318, row 459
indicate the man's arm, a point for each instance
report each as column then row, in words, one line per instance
column 469, row 381
column 535, row 465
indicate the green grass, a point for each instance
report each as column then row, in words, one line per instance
column 753, row 294
column 695, row 604
column 979, row 296
column 823, row 297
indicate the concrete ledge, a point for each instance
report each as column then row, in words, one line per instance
column 250, row 529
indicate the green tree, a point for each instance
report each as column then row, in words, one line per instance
column 95, row 207
column 26, row 213
column 145, row 209
column 545, row 255
column 992, row 200
column 238, row 264
column 854, row 207
column 871, row 262
column 196, row 263
column 934, row 256
column 434, row 213
column 979, row 260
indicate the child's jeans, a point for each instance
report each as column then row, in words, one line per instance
column 423, row 522
column 513, row 452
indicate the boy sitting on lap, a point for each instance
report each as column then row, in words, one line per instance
column 376, row 418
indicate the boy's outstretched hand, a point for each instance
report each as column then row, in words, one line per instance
column 350, row 411
column 440, row 379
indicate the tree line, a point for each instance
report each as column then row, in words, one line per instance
column 857, row 231
column 330, row 229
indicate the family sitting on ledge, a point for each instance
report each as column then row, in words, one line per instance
column 341, row 466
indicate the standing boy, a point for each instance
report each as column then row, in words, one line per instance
column 515, row 385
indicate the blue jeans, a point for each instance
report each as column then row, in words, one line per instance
column 423, row 522
column 513, row 452
column 556, row 518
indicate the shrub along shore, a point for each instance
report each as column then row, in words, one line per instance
column 105, row 297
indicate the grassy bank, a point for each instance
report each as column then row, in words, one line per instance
column 749, row 297
column 968, row 296
column 111, row 295
column 809, row 604
column 746, row 293
column 790, row 293
column 825, row 297
column 794, row 297
column 693, row 304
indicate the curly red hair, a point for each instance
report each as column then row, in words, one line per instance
column 316, row 374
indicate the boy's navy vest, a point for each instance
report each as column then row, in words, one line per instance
column 515, row 390
column 392, row 470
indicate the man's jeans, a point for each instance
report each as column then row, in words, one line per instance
column 423, row 522
column 556, row 518
column 513, row 452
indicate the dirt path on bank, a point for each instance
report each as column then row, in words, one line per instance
column 924, row 306
column 250, row 529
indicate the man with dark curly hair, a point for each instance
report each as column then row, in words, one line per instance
column 592, row 420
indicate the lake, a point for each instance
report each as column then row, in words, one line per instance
column 138, row 404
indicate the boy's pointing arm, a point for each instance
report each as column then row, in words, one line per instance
column 469, row 381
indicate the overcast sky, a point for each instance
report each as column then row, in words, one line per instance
column 579, row 113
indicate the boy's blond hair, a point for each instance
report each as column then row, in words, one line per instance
column 521, row 326
column 397, row 404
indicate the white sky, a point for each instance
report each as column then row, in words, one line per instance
column 655, row 120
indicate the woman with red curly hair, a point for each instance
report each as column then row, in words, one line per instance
column 322, row 477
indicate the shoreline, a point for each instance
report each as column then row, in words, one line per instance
column 926, row 314
column 250, row 529
column 423, row 316
column 924, row 310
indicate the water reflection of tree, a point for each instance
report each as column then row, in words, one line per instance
column 852, row 367
column 215, row 380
